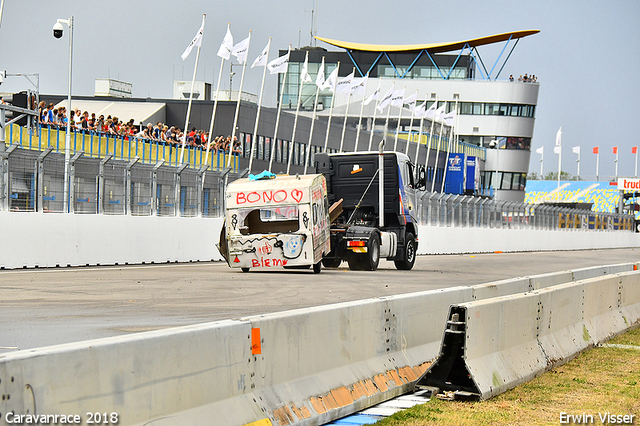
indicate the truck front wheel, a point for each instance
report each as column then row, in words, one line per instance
column 409, row 259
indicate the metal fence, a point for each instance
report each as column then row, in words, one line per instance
column 438, row 209
column 33, row 181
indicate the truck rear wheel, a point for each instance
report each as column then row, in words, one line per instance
column 317, row 267
column 367, row 261
column 409, row 259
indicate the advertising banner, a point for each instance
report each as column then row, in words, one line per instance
column 454, row 183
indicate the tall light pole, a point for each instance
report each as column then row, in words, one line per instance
column 57, row 33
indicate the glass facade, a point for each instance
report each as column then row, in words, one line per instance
column 292, row 87
column 485, row 108
column 505, row 180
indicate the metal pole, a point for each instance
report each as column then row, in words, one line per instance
column 67, row 141
column 235, row 118
column 295, row 119
column 333, row 99
column 274, row 141
column 307, row 157
column 255, row 127
column 193, row 80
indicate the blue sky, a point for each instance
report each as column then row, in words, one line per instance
column 586, row 55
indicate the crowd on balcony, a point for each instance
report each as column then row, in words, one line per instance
column 526, row 79
column 50, row 116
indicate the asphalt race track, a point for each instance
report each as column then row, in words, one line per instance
column 42, row 307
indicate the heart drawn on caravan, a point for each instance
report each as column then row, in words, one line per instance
column 297, row 195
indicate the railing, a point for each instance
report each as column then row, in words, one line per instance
column 33, row 181
column 438, row 209
column 99, row 145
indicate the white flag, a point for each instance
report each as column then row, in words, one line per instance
column 449, row 118
column 304, row 75
column 540, row 150
column 330, row 83
column 374, row 96
column 241, row 50
column 411, row 101
column 421, row 110
column 439, row 112
column 559, row 137
column 431, row 112
column 320, row 76
column 386, row 99
column 279, row 65
column 261, row 60
column 576, row 150
column 226, row 46
column 197, row 41
column 344, row 85
column 396, row 99
column 358, row 85
column 556, row 149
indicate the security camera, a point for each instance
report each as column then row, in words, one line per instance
column 57, row 30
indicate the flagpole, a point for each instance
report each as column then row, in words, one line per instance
column 597, row 165
column 274, row 142
column 541, row 162
column 193, row 81
column 235, row 118
column 616, row 163
column 346, row 114
column 333, row 98
column 578, row 163
column 435, row 167
column 307, row 157
column 395, row 143
column 386, row 121
column 446, row 162
column 361, row 111
column 215, row 105
column 373, row 124
column 419, row 142
column 413, row 113
column 255, row 127
column 559, row 164
column 426, row 161
column 295, row 120
column 636, row 173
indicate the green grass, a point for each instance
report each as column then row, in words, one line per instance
column 600, row 380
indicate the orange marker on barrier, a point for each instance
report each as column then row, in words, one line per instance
column 256, row 346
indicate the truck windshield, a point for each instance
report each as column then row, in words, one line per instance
column 264, row 220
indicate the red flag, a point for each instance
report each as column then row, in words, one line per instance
column 595, row 150
column 634, row 150
column 615, row 149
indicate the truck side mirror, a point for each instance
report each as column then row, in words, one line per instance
column 422, row 178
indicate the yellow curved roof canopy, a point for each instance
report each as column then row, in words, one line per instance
column 434, row 47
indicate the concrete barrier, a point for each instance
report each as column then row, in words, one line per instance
column 51, row 239
column 493, row 345
column 303, row 367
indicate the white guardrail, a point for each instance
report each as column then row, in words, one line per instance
column 302, row 367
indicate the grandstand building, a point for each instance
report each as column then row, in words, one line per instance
column 495, row 113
